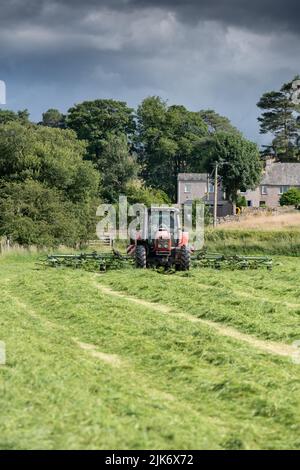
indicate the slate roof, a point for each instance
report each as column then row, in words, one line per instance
column 276, row 174
column 282, row 174
column 192, row 177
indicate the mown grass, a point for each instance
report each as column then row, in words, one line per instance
column 260, row 302
column 177, row 384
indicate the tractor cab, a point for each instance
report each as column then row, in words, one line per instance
column 161, row 240
column 164, row 228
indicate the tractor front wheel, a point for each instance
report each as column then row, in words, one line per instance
column 184, row 259
column 140, row 257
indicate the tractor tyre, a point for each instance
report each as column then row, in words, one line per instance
column 140, row 257
column 184, row 259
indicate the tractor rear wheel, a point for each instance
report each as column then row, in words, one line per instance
column 140, row 257
column 184, row 259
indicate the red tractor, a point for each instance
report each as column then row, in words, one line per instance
column 161, row 241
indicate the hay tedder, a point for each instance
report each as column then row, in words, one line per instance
column 159, row 242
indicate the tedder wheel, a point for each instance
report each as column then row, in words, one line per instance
column 140, row 257
column 184, row 259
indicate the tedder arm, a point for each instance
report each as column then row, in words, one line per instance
column 115, row 260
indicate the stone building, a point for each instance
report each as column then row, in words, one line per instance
column 193, row 186
column 276, row 180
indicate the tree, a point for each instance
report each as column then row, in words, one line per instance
column 94, row 121
column 10, row 116
column 23, row 116
column 241, row 201
column 31, row 213
column 281, row 119
column 208, row 218
column 108, row 127
column 168, row 138
column 53, row 118
column 46, row 163
column 138, row 193
column 51, row 156
column 240, row 164
column 290, row 198
column 117, row 167
column 217, row 123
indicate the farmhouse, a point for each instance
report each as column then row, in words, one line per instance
column 277, row 178
column 193, row 186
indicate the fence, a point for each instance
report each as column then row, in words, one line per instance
column 103, row 241
column 4, row 245
column 7, row 246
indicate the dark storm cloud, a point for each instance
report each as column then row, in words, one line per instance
column 209, row 53
column 255, row 14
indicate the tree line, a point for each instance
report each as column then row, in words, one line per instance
column 53, row 174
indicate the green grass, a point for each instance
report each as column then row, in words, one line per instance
column 176, row 385
column 269, row 242
column 260, row 302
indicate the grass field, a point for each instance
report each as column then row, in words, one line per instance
column 258, row 233
column 266, row 221
column 252, row 242
column 132, row 359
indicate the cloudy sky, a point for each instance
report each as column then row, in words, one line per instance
column 220, row 54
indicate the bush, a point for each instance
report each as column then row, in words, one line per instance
column 208, row 217
column 291, row 198
column 51, row 156
column 241, row 201
column 137, row 192
column 32, row 214
column 47, row 191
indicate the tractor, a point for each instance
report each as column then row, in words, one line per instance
column 161, row 240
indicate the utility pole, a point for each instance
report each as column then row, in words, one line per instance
column 216, row 195
column 208, row 185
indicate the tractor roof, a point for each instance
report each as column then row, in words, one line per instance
column 164, row 209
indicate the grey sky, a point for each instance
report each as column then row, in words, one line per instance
column 203, row 54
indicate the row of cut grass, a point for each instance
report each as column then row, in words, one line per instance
column 179, row 385
column 260, row 302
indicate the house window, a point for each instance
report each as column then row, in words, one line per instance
column 249, row 203
column 211, row 188
column 187, row 187
column 264, row 190
column 283, row 189
column 262, row 203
